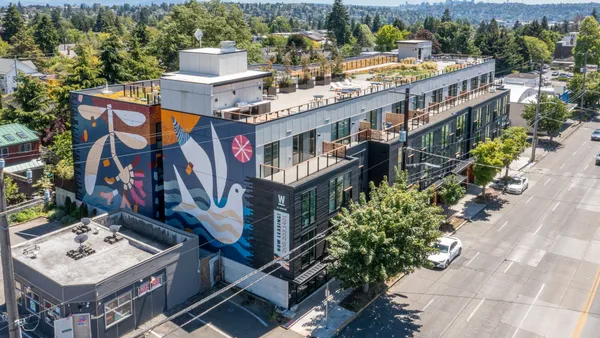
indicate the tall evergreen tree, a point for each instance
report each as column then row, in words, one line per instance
column 338, row 23
column 12, row 23
column 376, row 24
column 23, row 45
column 545, row 23
column 113, row 60
column 595, row 14
column 565, row 27
column 398, row 23
column 56, row 16
column 45, row 35
column 517, row 25
column 446, row 17
column 368, row 21
column 141, row 34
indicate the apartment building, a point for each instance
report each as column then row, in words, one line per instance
column 257, row 178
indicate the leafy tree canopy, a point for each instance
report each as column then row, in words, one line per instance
column 553, row 113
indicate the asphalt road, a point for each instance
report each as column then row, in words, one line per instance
column 530, row 266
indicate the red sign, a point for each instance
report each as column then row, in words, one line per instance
column 242, row 149
column 143, row 289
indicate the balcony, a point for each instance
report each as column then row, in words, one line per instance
column 141, row 92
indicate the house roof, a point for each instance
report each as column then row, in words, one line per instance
column 15, row 133
column 6, row 65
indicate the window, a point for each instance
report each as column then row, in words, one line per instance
column 309, row 207
column 339, row 191
column 340, row 130
column 477, row 119
column 465, row 83
column 426, row 145
column 25, row 147
column 152, row 283
column 311, row 249
column 18, row 293
column 483, row 79
column 52, row 312
column 271, row 158
column 419, row 102
column 21, row 134
column 32, row 301
column 398, row 107
column 158, row 134
column 436, row 95
column 460, row 125
column 474, row 83
column 303, row 146
column 372, row 118
column 9, row 137
column 118, row 309
column 445, row 135
column 453, row 90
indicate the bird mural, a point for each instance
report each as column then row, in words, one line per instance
column 224, row 218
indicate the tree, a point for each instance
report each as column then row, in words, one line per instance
column 23, row 45
column 55, row 14
column 538, row 50
column 487, row 157
column 367, row 21
column 62, row 155
column 394, row 232
column 387, row 37
column 140, row 65
column 141, row 33
column 31, row 94
column 431, row 24
column 398, row 23
column 11, row 190
column 45, row 35
column 451, row 191
column 376, row 23
column 545, row 25
column 338, row 23
column 113, row 60
column 280, row 25
column 424, row 34
column 517, row 25
column 4, row 48
column 446, row 17
column 12, row 23
column 553, row 113
column 595, row 14
column 514, row 142
column 588, row 40
column 85, row 72
column 592, row 85
column 258, row 26
column 363, row 35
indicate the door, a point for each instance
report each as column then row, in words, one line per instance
column 453, row 251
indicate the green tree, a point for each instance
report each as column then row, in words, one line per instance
column 368, row 21
column 23, row 45
column 545, row 25
column 62, row 155
column 55, row 14
column 538, row 50
column 113, row 60
column 595, row 14
column 487, row 157
column 258, row 26
column 446, row 17
column 424, row 34
column 592, row 85
column 12, row 23
column 387, row 37
column 376, row 23
column 4, row 48
column 398, row 23
column 514, row 142
column 140, row 65
column 45, row 35
column 141, row 33
column 364, row 36
column 11, row 190
column 338, row 23
column 31, row 94
column 553, row 113
column 280, row 25
column 392, row 233
column 85, row 72
column 451, row 191
column 588, row 40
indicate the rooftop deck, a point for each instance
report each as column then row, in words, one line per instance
column 141, row 92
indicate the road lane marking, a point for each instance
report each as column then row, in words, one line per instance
column 503, row 225
column 156, row 334
column 477, row 308
column 574, row 154
column 529, row 199
column 508, row 267
column 469, row 262
column 584, row 169
column 571, row 187
column 538, row 229
column 586, row 307
column 557, row 203
column 584, row 143
column 211, row 326
column 547, row 181
column 528, row 310
column 426, row 306
column 562, row 165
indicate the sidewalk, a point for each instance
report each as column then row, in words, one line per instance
column 310, row 315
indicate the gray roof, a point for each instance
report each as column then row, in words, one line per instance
column 6, row 65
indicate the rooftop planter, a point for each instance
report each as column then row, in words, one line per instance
column 287, row 86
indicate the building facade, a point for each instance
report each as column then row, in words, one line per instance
column 257, row 178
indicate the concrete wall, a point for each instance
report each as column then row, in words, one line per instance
column 62, row 194
column 213, row 64
column 270, row 288
column 194, row 98
column 246, row 91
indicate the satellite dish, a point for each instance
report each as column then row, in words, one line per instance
column 80, row 239
column 114, row 229
column 86, row 221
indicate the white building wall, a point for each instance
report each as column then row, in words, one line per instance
column 271, row 288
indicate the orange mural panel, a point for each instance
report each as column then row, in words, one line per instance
column 185, row 120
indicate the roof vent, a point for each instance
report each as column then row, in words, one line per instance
column 228, row 46
column 84, row 250
column 31, row 251
column 115, row 236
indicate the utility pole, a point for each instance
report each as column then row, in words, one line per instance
column 537, row 114
column 8, row 272
column 583, row 85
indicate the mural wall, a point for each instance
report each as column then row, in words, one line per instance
column 206, row 165
column 115, row 153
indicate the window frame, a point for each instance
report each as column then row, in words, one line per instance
column 50, row 314
column 2, row 154
column 268, row 171
column 310, row 256
column 309, row 216
column 23, row 146
column 32, row 298
column 338, row 191
column 108, row 310
column 341, row 129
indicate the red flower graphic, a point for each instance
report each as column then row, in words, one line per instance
column 241, row 148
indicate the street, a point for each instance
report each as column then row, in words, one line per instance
column 530, row 265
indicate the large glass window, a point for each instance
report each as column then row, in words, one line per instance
column 303, row 146
column 426, row 145
column 477, row 119
column 465, row 83
column 445, row 135
column 339, row 130
column 419, row 102
column 271, row 158
column 52, row 312
column 309, row 208
column 436, row 95
column 483, row 79
column 25, row 147
column 474, row 83
column 453, row 90
column 372, row 118
column 461, row 125
column 32, row 301
column 311, row 249
column 117, row 309
column 339, row 191
column 398, row 107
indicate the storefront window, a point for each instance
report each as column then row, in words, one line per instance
column 117, row 309
column 32, row 301
column 52, row 312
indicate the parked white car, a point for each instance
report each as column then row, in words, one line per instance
column 450, row 248
column 517, row 185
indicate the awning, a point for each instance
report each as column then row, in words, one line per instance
column 23, row 166
column 462, row 166
column 308, row 274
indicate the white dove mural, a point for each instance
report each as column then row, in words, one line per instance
column 224, row 218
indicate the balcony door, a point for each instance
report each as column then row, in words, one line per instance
column 304, row 146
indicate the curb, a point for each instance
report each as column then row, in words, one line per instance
column 570, row 131
column 460, row 226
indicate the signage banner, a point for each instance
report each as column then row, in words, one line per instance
column 281, row 227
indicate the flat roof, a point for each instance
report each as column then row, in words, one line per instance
column 213, row 51
column 412, row 41
column 215, row 79
column 523, row 76
column 108, row 259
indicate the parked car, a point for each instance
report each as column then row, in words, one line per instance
column 598, row 159
column 498, row 184
column 554, row 73
column 596, row 135
column 517, row 185
column 450, row 248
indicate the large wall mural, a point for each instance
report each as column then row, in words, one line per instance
column 115, row 154
column 206, row 162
